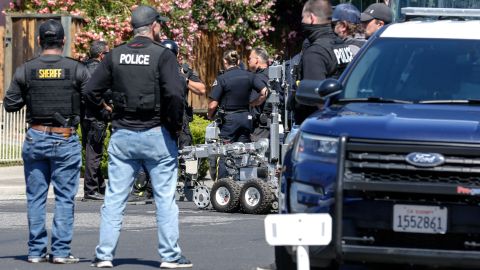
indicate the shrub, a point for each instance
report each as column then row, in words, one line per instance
column 104, row 161
column 197, row 127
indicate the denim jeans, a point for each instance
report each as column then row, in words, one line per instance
column 51, row 158
column 127, row 151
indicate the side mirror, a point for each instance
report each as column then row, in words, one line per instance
column 312, row 92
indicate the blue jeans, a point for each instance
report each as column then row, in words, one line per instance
column 51, row 158
column 127, row 151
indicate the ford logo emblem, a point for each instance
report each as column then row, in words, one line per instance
column 425, row 159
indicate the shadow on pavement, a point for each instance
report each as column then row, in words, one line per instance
column 16, row 258
column 135, row 261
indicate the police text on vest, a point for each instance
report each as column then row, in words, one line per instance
column 344, row 55
column 134, row 59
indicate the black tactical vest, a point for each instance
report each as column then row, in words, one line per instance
column 52, row 90
column 338, row 50
column 136, row 86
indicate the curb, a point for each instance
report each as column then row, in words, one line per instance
column 12, row 184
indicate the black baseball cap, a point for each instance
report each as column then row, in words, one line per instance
column 377, row 11
column 145, row 15
column 51, row 30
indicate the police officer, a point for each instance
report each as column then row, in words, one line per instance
column 346, row 24
column 325, row 56
column 94, row 128
column 193, row 85
column 375, row 17
column 147, row 116
column 142, row 188
column 258, row 64
column 50, row 86
column 231, row 93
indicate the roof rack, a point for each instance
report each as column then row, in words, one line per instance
column 441, row 12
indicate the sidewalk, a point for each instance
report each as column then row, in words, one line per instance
column 12, row 184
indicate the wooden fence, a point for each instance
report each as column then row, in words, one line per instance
column 208, row 62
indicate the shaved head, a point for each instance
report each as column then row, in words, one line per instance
column 321, row 9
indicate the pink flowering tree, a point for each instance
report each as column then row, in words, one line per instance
column 241, row 21
column 237, row 22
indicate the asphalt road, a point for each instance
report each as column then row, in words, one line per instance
column 211, row 240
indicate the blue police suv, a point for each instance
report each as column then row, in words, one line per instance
column 394, row 154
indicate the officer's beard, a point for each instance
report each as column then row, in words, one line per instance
column 156, row 36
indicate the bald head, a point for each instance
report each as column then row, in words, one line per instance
column 319, row 11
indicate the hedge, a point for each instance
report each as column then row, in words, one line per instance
column 197, row 126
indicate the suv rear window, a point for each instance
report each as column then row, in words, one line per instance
column 416, row 70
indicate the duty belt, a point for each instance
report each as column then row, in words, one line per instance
column 65, row 131
column 235, row 111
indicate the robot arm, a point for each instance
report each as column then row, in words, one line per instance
column 216, row 149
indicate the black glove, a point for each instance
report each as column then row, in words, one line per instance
column 187, row 71
column 106, row 115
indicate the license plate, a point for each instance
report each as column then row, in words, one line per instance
column 298, row 229
column 419, row 219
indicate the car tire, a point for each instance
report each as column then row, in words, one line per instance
column 284, row 261
column 225, row 195
column 256, row 197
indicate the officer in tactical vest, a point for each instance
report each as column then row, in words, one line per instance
column 147, row 116
column 346, row 25
column 194, row 85
column 326, row 56
column 50, row 86
column 142, row 188
column 258, row 64
column 94, row 130
column 230, row 100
